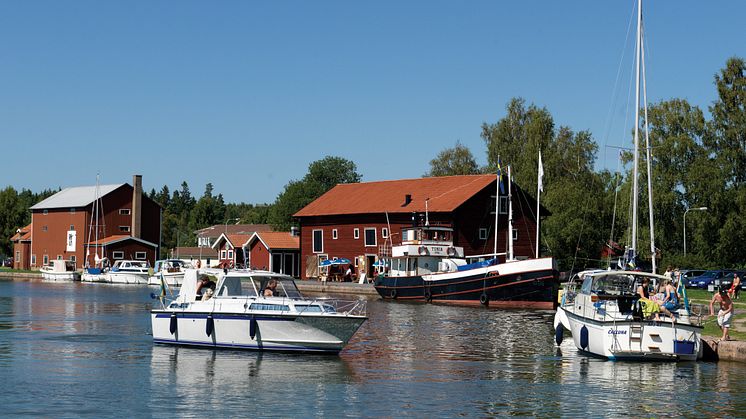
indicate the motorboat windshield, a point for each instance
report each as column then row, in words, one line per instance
column 253, row 284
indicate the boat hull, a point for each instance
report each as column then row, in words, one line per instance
column 280, row 332
column 123, row 277
column 520, row 284
column 61, row 276
column 632, row 340
column 173, row 279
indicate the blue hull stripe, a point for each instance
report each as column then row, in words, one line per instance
column 298, row 348
column 224, row 316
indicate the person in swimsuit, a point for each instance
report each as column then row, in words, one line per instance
column 726, row 311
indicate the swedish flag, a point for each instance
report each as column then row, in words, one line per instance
column 500, row 176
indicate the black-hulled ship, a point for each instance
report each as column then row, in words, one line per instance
column 427, row 267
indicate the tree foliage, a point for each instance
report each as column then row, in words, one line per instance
column 453, row 161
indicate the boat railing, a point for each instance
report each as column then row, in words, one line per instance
column 347, row 307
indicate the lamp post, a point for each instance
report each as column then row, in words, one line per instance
column 229, row 220
column 687, row 210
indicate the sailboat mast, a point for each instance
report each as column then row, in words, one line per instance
column 497, row 205
column 510, row 216
column 649, row 159
column 635, row 186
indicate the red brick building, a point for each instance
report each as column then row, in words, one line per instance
column 360, row 221
column 129, row 226
column 22, row 248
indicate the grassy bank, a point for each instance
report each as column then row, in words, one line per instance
column 18, row 271
column 738, row 322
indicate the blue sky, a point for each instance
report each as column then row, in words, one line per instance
column 245, row 94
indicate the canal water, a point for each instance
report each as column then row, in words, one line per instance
column 73, row 349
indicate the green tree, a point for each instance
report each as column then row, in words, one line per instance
column 322, row 175
column 453, row 161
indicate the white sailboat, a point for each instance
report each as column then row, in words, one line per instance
column 605, row 314
column 97, row 272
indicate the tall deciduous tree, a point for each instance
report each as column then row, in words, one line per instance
column 322, row 175
column 453, row 161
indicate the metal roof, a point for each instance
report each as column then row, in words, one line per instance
column 75, row 197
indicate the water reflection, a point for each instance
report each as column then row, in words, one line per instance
column 75, row 349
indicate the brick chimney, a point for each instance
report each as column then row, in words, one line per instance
column 136, row 206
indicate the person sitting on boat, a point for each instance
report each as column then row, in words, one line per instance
column 649, row 307
column 204, row 284
column 671, row 299
column 269, row 291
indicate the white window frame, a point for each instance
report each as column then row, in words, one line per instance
column 375, row 236
column 335, row 235
column 141, row 255
column 222, row 254
column 72, row 227
column 59, row 257
column 230, row 254
column 125, row 211
column 515, row 234
column 73, row 259
column 356, row 233
column 44, row 228
column 384, row 233
column 124, row 229
column 117, row 255
column 45, row 260
column 45, row 212
column 72, row 210
column 482, row 233
column 313, row 241
column 33, row 259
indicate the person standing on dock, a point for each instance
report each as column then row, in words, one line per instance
column 726, row 310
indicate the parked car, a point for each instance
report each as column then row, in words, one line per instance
column 708, row 278
column 7, row 262
column 688, row 274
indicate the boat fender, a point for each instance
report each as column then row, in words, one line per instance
column 253, row 325
column 422, row 250
column 584, row 338
column 428, row 296
column 210, row 325
column 451, row 251
column 484, row 299
column 392, row 294
column 173, row 326
column 559, row 334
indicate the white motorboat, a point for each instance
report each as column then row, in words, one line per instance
column 171, row 270
column 129, row 272
column 60, row 270
column 239, row 316
column 606, row 319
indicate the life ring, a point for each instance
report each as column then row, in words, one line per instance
column 451, row 251
column 392, row 294
column 209, row 325
column 428, row 295
column 484, row 299
column 422, row 250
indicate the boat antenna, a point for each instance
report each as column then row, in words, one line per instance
column 427, row 218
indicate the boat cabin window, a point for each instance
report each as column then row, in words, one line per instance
column 285, row 287
column 315, row 308
column 269, row 307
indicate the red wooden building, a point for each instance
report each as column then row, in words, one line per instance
column 129, row 226
column 360, row 221
column 22, row 248
column 276, row 251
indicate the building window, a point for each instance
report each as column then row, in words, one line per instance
column 44, row 228
column 230, row 254
column 503, row 205
column 59, row 257
column 385, row 233
column 370, row 237
column 124, row 211
column 72, row 210
column 515, row 234
column 334, row 234
column 33, row 260
column 117, row 254
column 222, row 254
column 45, row 212
column 356, row 233
column 73, row 259
column 482, row 234
column 18, row 256
column 141, row 255
column 124, row 229
column 45, row 260
column 72, row 227
column 318, row 241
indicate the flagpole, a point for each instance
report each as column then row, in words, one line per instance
column 539, row 187
column 497, row 205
